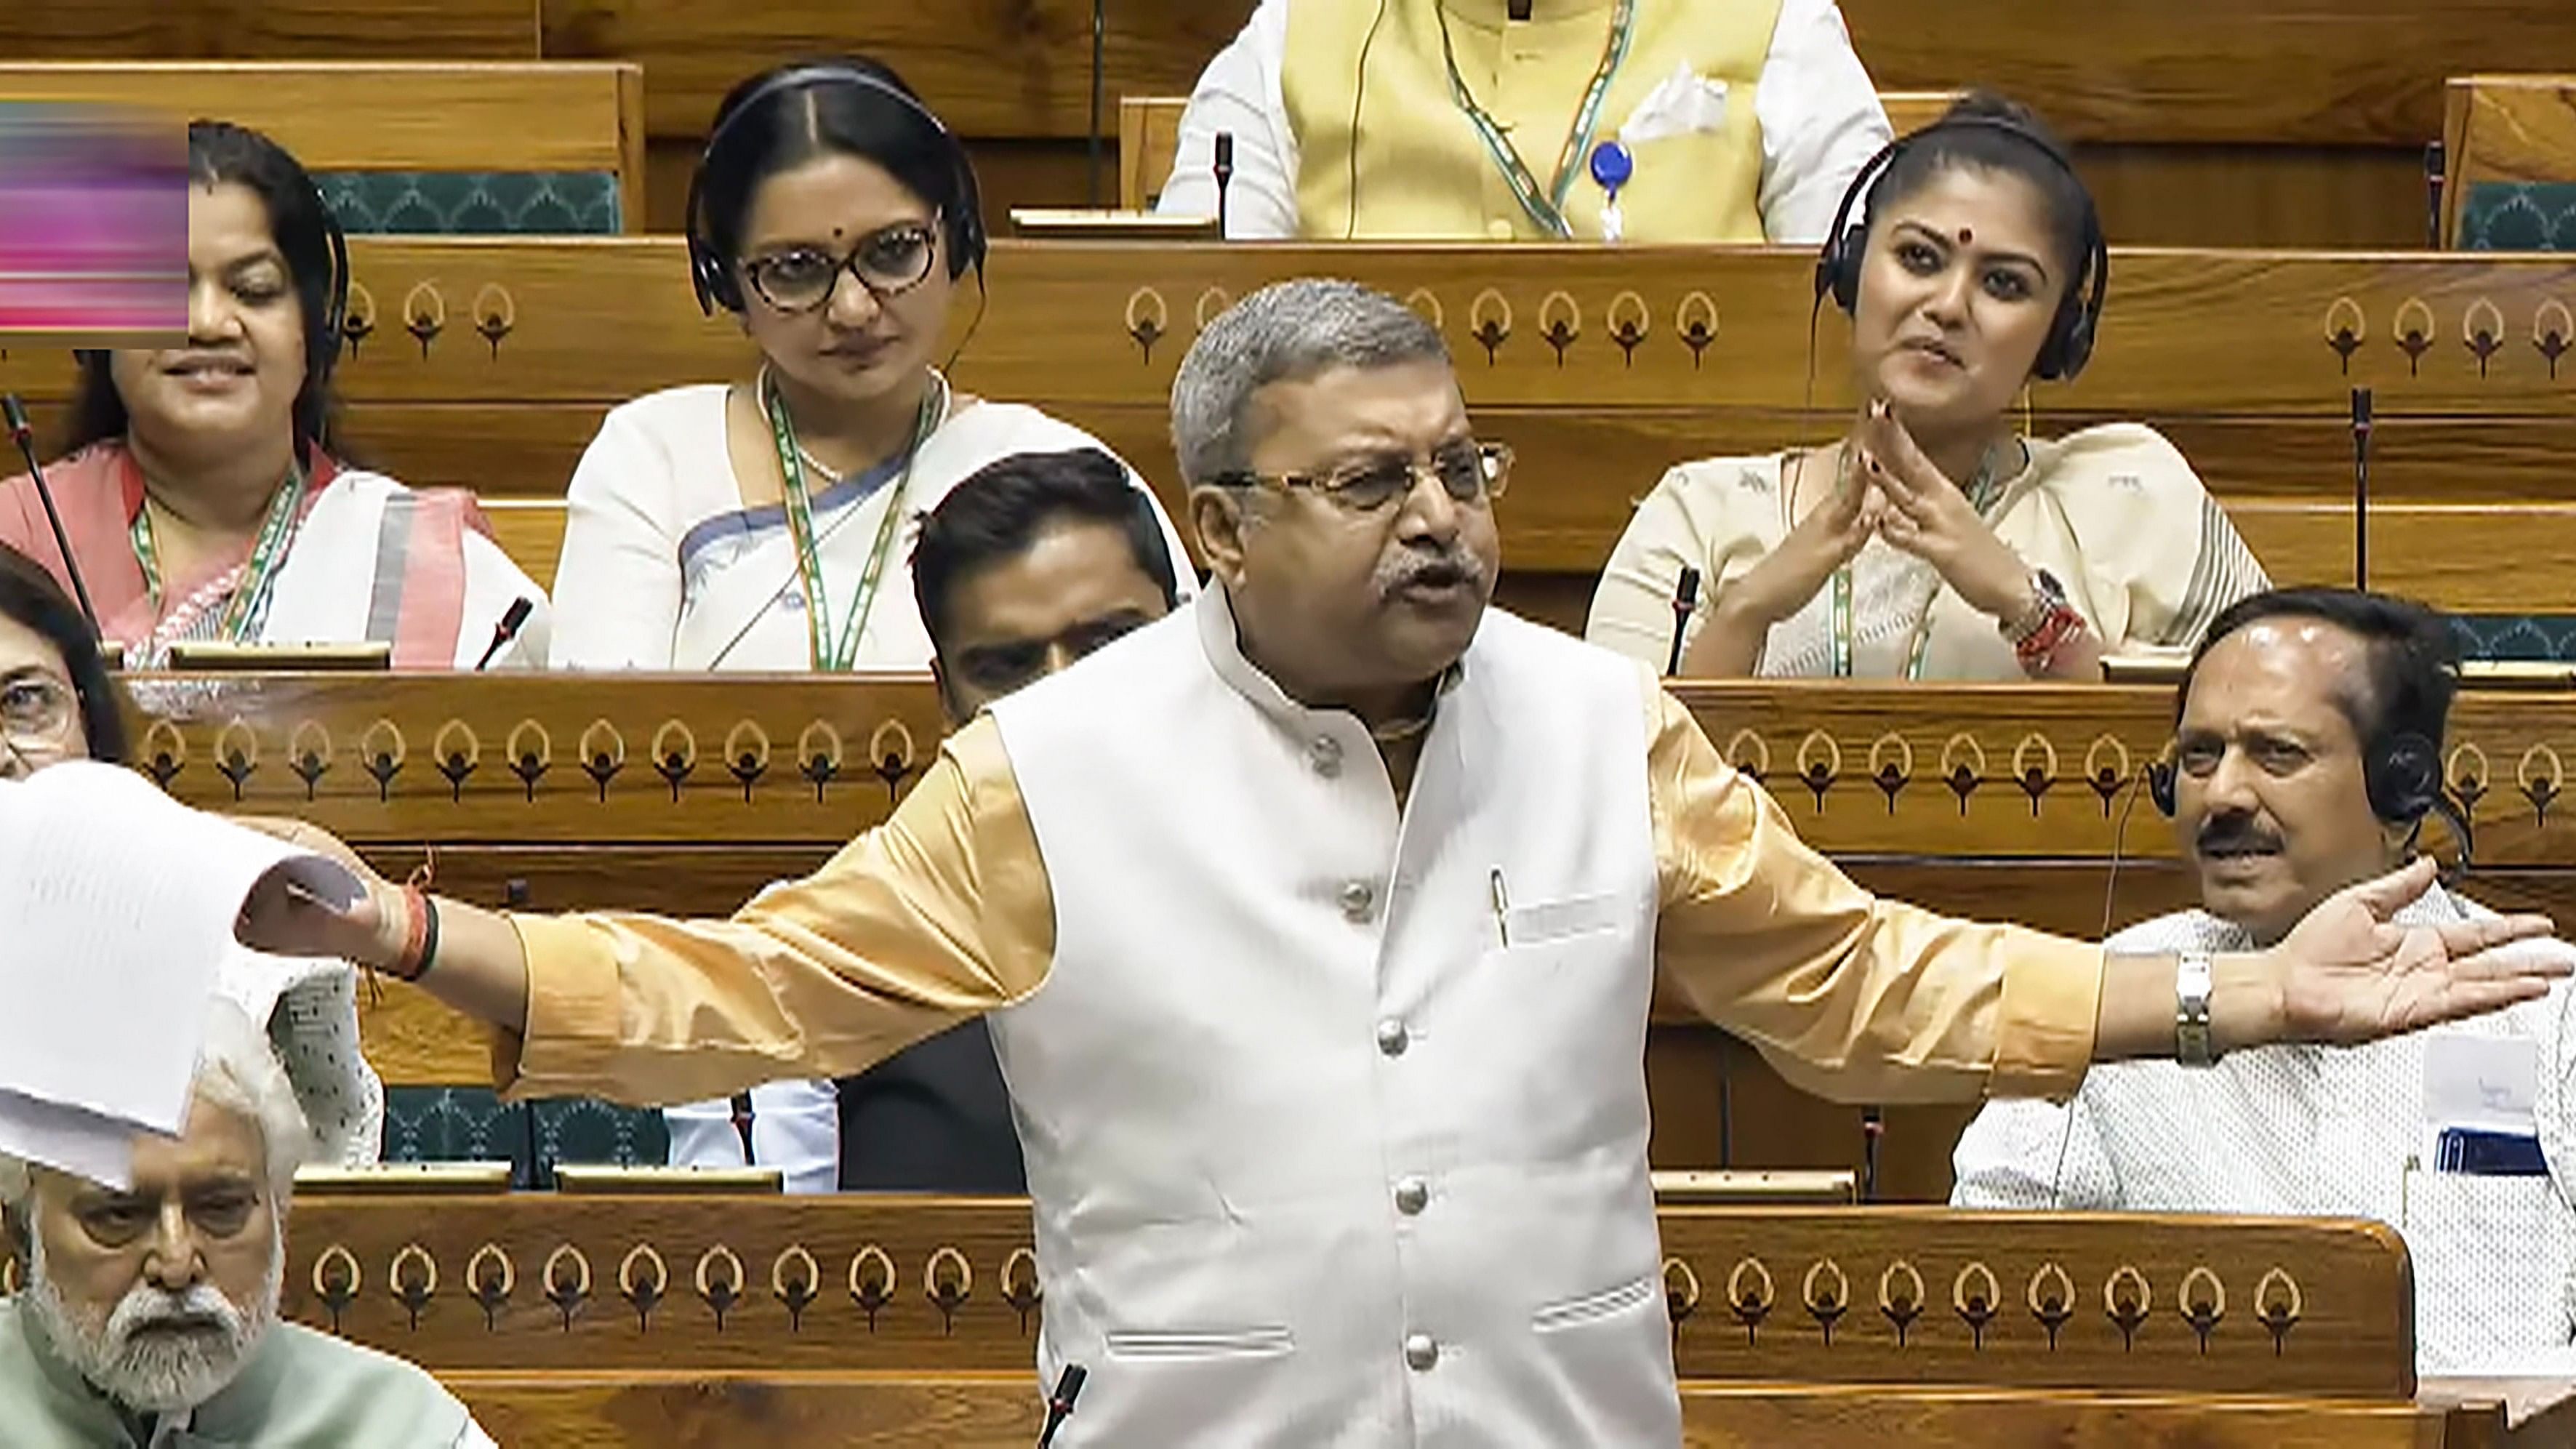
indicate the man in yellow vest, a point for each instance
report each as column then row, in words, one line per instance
column 1495, row 120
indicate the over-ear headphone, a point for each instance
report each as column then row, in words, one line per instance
column 2400, row 772
column 2079, row 312
column 962, row 222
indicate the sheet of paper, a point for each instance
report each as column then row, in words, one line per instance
column 2483, row 1082
column 82, row 1143
column 117, row 906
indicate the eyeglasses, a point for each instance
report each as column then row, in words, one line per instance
column 1469, row 471
column 36, row 712
column 888, row 262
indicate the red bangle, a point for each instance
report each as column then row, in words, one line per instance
column 2039, row 650
column 416, row 936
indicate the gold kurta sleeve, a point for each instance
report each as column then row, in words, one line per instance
column 1849, row 996
column 940, row 914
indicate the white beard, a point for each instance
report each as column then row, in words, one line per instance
column 160, row 1372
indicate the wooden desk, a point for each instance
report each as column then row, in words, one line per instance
column 857, row 1282
column 388, row 115
column 683, row 1410
column 488, row 363
column 503, row 776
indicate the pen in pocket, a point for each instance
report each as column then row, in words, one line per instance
column 1502, row 909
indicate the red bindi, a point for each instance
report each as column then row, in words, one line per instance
column 1967, row 235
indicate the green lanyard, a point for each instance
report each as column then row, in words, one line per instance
column 249, row 603
column 1546, row 208
column 835, row 654
column 1982, row 490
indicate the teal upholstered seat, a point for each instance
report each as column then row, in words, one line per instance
column 472, row 1124
column 2519, row 216
column 2543, row 638
column 473, row 203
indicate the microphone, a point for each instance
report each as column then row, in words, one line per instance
column 1060, row 1404
column 1099, row 29
column 1685, row 598
column 2361, row 488
column 25, row 437
column 2435, row 169
column 1873, row 1128
column 1224, row 175
column 513, row 620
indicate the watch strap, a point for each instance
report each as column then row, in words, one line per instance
column 2192, row 1044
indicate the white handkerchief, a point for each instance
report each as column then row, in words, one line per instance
column 1686, row 102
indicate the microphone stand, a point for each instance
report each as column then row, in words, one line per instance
column 25, row 437
column 1224, row 176
column 1685, row 598
column 1099, row 29
column 2361, row 488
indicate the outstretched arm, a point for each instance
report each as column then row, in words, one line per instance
column 940, row 914
column 1859, row 998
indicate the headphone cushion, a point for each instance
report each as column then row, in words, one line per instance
column 2404, row 779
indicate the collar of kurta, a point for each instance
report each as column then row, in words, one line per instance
column 1492, row 13
column 1219, row 637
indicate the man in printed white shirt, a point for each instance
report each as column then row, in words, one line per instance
column 2308, row 751
column 1495, row 120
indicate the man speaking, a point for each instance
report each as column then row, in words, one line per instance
column 1318, row 924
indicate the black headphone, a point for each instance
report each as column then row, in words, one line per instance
column 2079, row 311
column 962, row 223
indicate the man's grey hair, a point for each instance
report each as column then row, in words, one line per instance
column 1286, row 332
column 238, row 1070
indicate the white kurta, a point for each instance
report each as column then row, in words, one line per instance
column 2310, row 1131
column 1481, row 1206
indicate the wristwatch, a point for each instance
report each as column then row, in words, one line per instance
column 2192, row 1046
column 2047, row 596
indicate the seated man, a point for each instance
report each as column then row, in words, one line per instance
column 150, row 1315
column 2308, row 745
column 1477, row 120
column 1031, row 563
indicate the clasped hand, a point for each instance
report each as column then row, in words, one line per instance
column 1885, row 486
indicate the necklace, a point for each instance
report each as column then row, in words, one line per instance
column 1545, row 207
column 832, row 651
column 1982, row 491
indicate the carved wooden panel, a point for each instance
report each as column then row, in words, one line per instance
column 1917, row 1295
column 533, row 1281
column 1961, row 770
column 567, row 320
column 276, row 29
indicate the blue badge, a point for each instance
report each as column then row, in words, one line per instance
column 1612, row 165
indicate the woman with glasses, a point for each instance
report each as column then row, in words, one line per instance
column 764, row 523
column 59, row 702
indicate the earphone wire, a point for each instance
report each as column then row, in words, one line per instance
column 1359, row 93
column 2110, row 895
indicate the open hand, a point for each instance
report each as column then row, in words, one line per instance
column 2347, row 975
column 1930, row 517
column 1823, row 541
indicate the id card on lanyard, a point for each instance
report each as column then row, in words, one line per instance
column 1545, row 205
column 247, row 609
column 837, row 651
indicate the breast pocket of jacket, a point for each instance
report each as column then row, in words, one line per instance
column 1528, row 927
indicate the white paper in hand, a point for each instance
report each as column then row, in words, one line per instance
column 117, row 905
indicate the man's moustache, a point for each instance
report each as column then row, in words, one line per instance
column 2236, row 836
